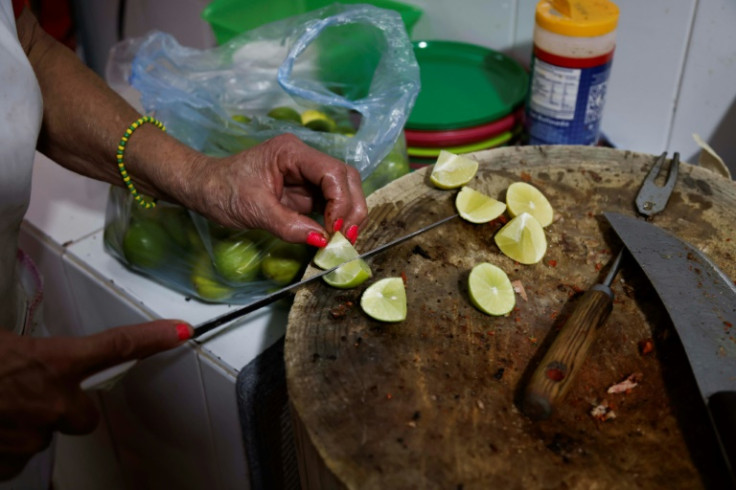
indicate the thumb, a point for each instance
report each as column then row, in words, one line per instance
column 116, row 345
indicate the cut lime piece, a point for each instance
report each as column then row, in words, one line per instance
column 491, row 290
column 522, row 239
column 452, row 171
column 385, row 300
column 477, row 207
column 349, row 275
column 338, row 251
column 525, row 198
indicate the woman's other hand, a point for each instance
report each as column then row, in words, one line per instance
column 40, row 382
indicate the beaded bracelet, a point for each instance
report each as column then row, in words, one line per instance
column 121, row 153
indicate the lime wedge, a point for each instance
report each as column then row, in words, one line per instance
column 491, row 290
column 349, row 275
column 385, row 300
column 522, row 239
column 476, row 207
column 525, row 198
column 452, row 171
column 337, row 251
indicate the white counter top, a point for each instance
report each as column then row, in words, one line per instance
column 69, row 209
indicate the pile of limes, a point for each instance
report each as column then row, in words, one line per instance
column 522, row 238
column 164, row 242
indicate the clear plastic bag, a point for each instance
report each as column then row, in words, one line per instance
column 197, row 257
column 354, row 63
column 350, row 68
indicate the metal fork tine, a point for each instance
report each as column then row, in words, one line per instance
column 652, row 198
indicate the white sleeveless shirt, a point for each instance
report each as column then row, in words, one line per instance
column 21, row 111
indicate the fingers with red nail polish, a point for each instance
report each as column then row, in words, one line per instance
column 352, row 234
column 337, row 226
column 184, row 331
column 316, row 239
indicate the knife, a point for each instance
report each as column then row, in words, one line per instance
column 701, row 301
column 107, row 378
column 276, row 295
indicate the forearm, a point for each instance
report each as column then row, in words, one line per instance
column 83, row 121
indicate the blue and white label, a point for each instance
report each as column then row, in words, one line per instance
column 566, row 104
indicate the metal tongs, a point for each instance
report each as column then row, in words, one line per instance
column 553, row 376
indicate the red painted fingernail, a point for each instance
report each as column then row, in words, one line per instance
column 352, row 234
column 337, row 226
column 316, row 239
column 183, row 331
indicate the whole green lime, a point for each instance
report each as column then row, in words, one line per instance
column 145, row 244
column 285, row 114
column 241, row 118
column 318, row 121
column 205, row 283
column 175, row 221
column 237, row 261
column 284, row 261
column 391, row 168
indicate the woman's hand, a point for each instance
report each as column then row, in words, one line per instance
column 274, row 185
column 40, row 378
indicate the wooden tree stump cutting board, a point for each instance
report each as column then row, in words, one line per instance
column 430, row 402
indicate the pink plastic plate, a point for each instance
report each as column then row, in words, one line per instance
column 459, row 137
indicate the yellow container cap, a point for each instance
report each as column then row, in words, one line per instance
column 578, row 18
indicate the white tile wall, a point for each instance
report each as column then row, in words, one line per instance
column 706, row 101
column 221, row 400
column 68, row 206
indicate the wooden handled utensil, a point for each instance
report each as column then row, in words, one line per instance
column 555, row 373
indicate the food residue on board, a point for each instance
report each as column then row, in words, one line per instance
column 602, row 412
column 631, row 382
column 646, row 346
column 519, row 289
column 341, row 310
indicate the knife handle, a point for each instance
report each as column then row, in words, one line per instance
column 722, row 408
column 553, row 376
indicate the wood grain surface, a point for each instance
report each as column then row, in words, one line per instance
column 431, row 402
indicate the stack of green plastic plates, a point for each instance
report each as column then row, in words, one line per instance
column 471, row 99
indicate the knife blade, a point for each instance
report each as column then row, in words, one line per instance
column 701, row 302
column 276, row 295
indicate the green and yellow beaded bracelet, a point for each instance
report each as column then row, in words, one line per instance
column 121, row 154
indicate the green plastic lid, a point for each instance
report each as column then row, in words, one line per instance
column 464, row 85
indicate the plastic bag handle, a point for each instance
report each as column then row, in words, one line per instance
column 404, row 72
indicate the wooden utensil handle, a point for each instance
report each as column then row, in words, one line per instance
column 554, row 374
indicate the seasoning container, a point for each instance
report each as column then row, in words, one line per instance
column 574, row 42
